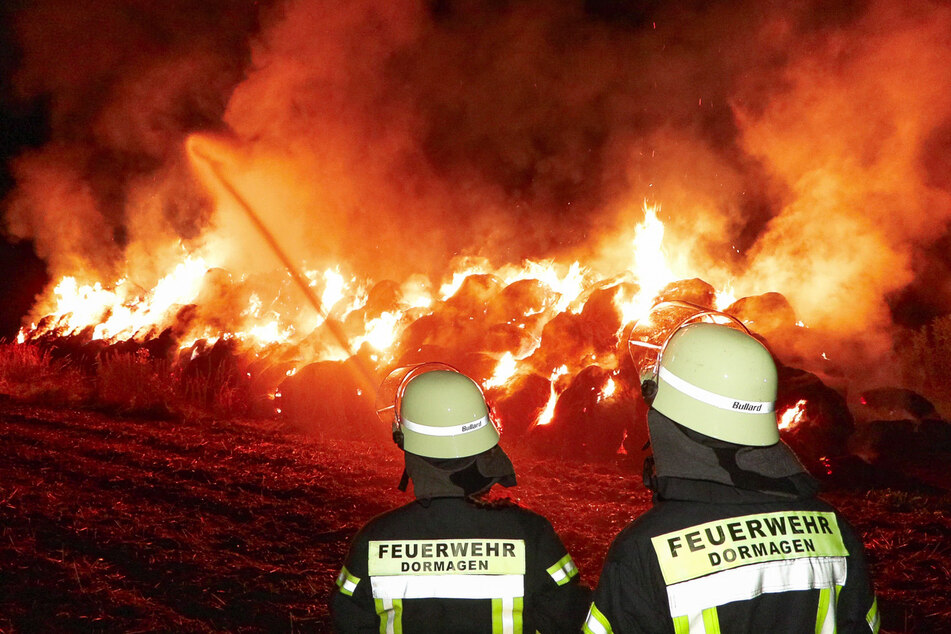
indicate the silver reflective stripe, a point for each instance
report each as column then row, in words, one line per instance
column 391, row 614
column 717, row 400
column 448, row 586
column 596, row 623
column 563, row 570
column 747, row 582
column 455, row 430
column 873, row 617
column 347, row 582
column 503, row 616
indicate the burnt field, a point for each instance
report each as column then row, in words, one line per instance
column 133, row 525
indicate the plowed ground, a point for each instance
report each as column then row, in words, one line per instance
column 129, row 525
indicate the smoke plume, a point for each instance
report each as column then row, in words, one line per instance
column 792, row 148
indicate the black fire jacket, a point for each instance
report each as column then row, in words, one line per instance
column 456, row 566
column 714, row 558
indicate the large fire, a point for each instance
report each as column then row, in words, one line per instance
column 389, row 183
column 120, row 311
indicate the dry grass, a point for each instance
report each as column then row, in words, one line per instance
column 128, row 383
column 926, row 362
column 30, row 373
column 135, row 384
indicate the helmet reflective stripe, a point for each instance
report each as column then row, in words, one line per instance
column 430, row 430
column 717, row 400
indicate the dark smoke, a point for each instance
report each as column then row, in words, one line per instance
column 124, row 82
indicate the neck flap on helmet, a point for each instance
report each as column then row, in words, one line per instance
column 458, row 477
column 681, row 453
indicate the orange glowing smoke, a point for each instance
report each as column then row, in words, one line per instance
column 408, row 163
column 350, row 313
column 401, row 143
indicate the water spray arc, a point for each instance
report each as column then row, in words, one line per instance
column 215, row 168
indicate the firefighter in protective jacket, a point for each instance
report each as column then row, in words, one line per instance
column 736, row 540
column 449, row 561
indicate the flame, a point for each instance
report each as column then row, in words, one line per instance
column 272, row 313
column 268, row 333
column 568, row 285
column 793, row 415
column 650, row 267
column 504, row 370
column 380, row 332
column 118, row 312
column 608, row 390
column 334, row 288
column 549, row 412
column 725, row 297
column 449, row 289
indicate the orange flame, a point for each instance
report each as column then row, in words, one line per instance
column 608, row 390
column 549, row 412
column 793, row 415
column 118, row 311
column 504, row 370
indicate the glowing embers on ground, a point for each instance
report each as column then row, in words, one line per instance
column 793, row 415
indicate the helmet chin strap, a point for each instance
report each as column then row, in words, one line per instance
column 649, row 390
column 404, row 481
column 649, row 473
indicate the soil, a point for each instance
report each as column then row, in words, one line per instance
column 129, row 525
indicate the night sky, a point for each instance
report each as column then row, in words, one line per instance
column 22, row 125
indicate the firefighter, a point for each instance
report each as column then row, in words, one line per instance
column 451, row 561
column 736, row 540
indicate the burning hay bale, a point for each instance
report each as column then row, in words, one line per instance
column 504, row 337
column 331, row 398
column 766, row 314
column 588, row 422
column 894, row 403
column 474, row 295
column 601, row 319
column 895, row 424
column 814, row 419
column 892, row 442
column 384, row 297
column 694, row 291
column 519, row 403
column 521, row 299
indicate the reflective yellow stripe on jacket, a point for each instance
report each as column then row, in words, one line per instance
column 596, row 623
